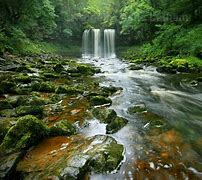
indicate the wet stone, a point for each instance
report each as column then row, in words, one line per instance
column 138, row 108
column 80, row 157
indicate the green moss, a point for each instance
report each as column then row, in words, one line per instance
column 43, row 87
column 5, row 125
column 58, row 68
column 27, row 132
column 108, row 91
column 33, row 110
column 100, row 100
column 23, row 78
column 62, row 128
column 68, row 90
column 116, row 125
column 105, row 115
column 137, row 109
column 7, row 86
column 4, row 104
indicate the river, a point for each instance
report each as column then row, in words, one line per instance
column 163, row 142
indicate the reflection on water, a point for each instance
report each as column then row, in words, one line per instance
column 166, row 141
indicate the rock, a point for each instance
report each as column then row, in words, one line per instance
column 5, row 125
column 62, row 128
column 26, row 132
column 138, row 108
column 116, row 125
column 109, row 116
column 68, row 90
column 7, row 86
column 23, row 78
column 8, row 164
column 50, row 75
column 108, row 91
column 58, row 68
column 135, row 67
column 98, row 154
column 4, row 104
column 85, row 70
column 11, row 67
column 166, row 69
column 43, row 87
column 32, row 110
column 99, row 100
column 104, row 115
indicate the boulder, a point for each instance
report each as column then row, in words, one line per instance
column 43, row 87
column 7, row 86
column 4, row 104
column 138, row 108
column 32, row 110
column 62, row 128
column 26, row 132
column 100, row 100
column 71, row 158
column 109, row 116
column 68, row 90
column 108, row 91
column 116, row 125
column 58, row 68
column 104, row 115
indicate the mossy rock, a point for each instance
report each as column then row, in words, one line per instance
column 104, row 115
column 4, row 104
column 108, row 91
column 116, row 125
column 26, row 132
column 68, row 90
column 24, row 68
column 138, row 108
column 5, row 125
column 100, row 100
column 23, row 78
column 58, row 68
column 7, row 86
column 33, row 110
column 167, row 69
column 62, row 128
column 50, row 75
column 85, row 69
column 43, row 87
column 135, row 67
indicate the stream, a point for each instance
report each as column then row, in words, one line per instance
column 163, row 142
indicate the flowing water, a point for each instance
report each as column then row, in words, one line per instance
column 164, row 142
column 98, row 43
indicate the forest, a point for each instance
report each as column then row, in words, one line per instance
column 100, row 89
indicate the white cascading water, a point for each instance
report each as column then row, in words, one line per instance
column 109, row 43
column 99, row 44
column 86, row 44
column 97, row 47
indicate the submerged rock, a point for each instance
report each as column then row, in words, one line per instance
column 104, row 115
column 43, row 87
column 100, row 100
column 116, row 124
column 138, row 108
column 71, row 158
column 108, row 91
column 62, row 128
column 109, row 116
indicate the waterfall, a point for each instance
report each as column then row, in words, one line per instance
column 109, row 43
column 97, row 47
column 99, row 43
column 86, row 44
